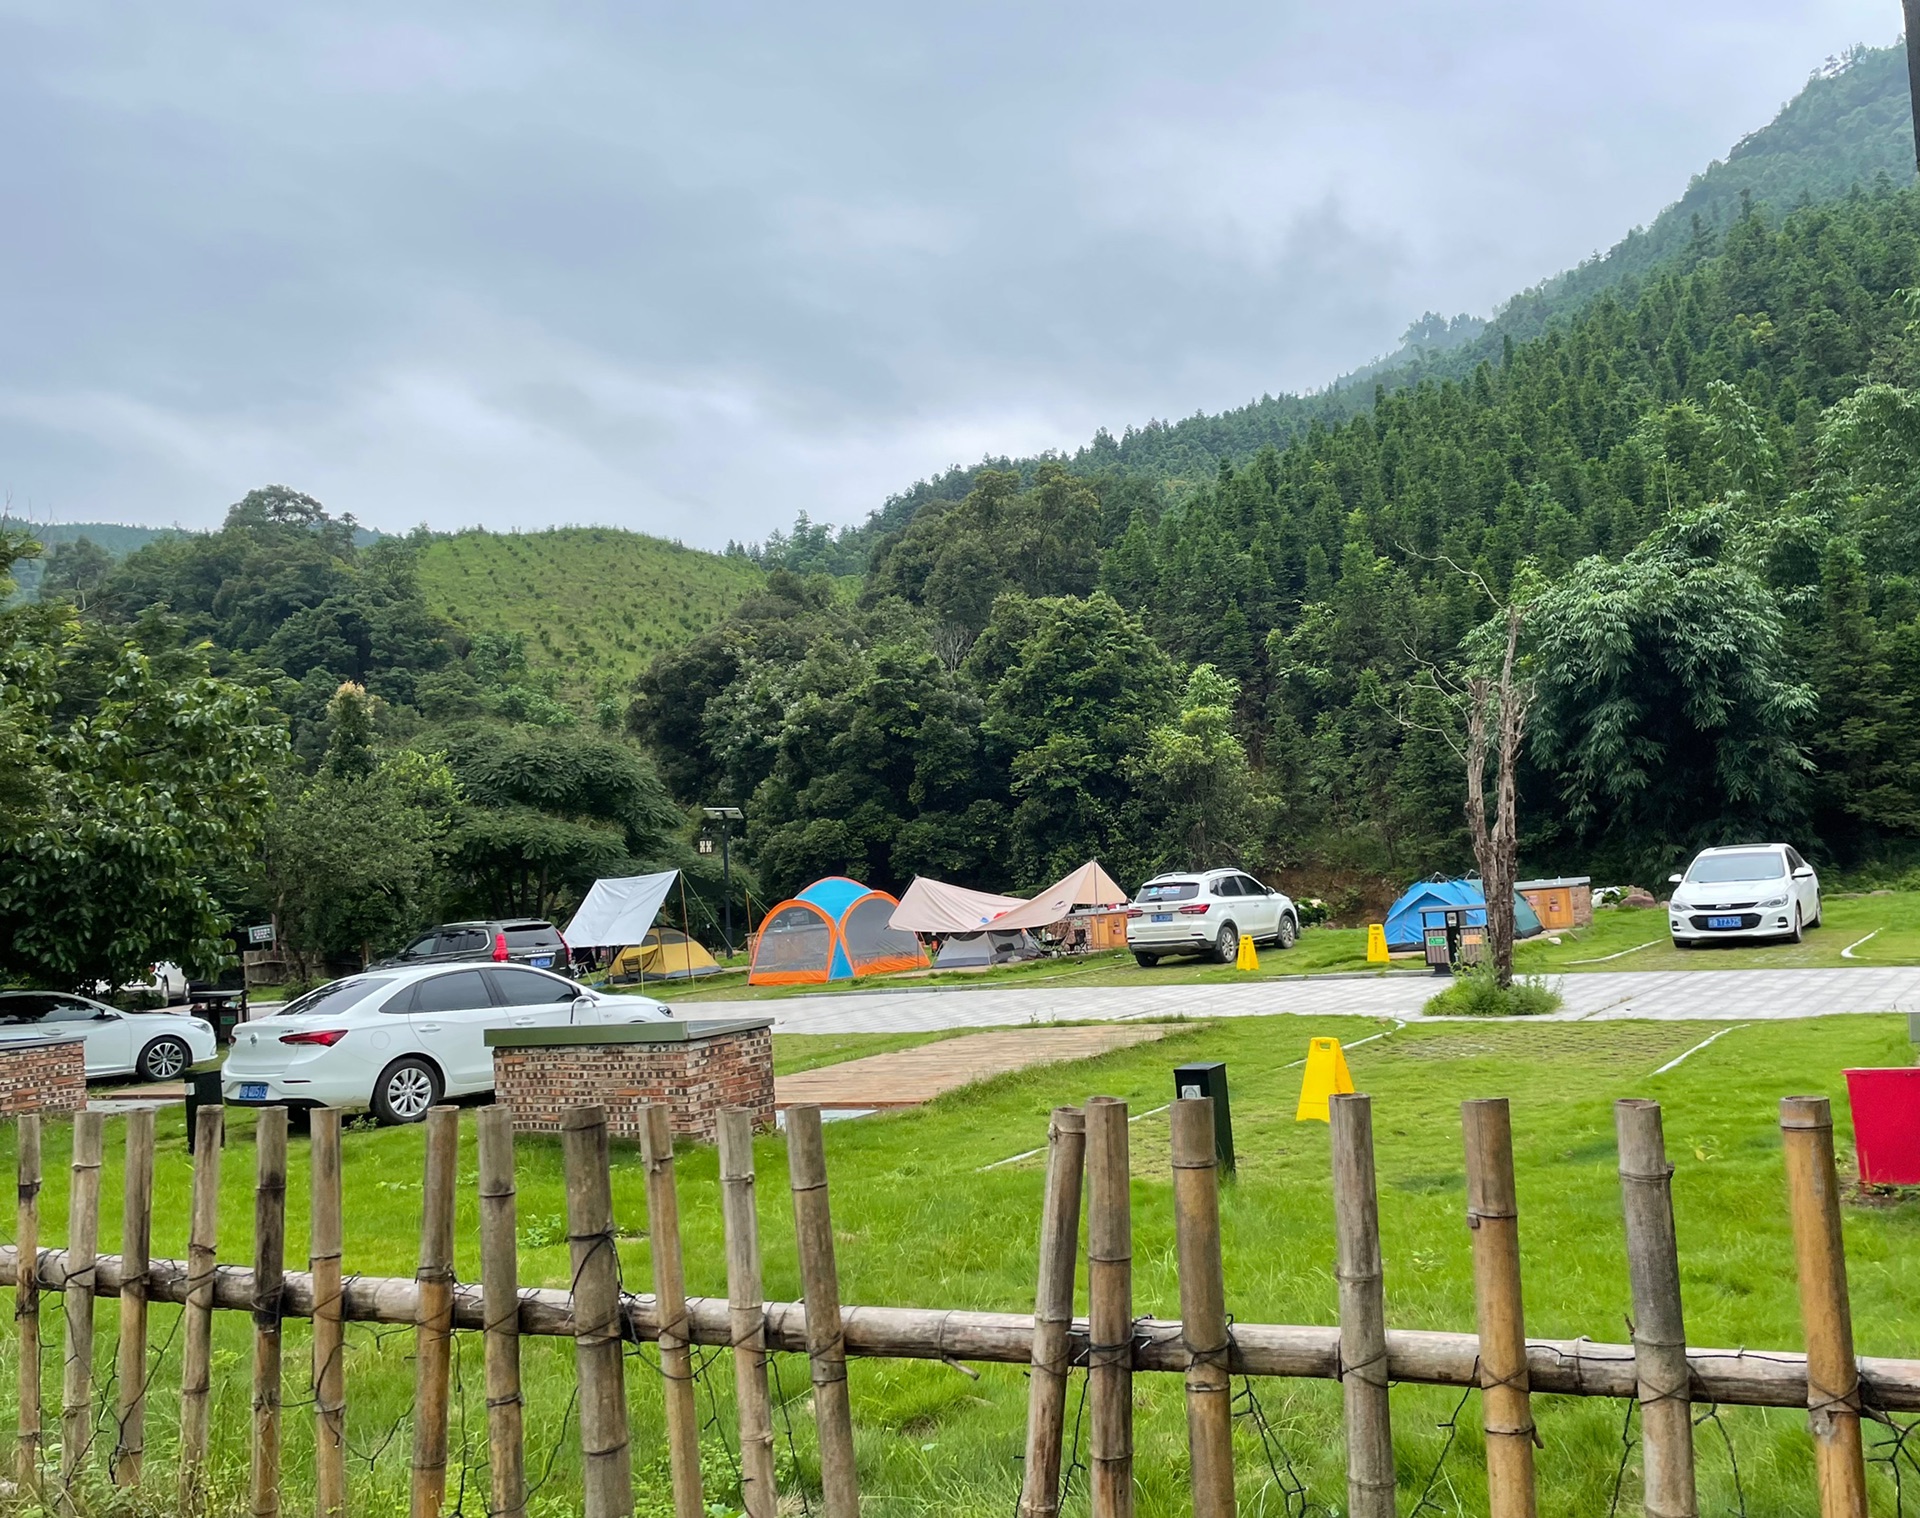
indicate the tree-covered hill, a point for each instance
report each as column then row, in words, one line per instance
column 1848, row 126
column 1700, row 484
column 594, row 604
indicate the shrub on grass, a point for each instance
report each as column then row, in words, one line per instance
column 1474, row 993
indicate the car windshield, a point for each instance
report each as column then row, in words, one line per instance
column 1170, row 890
column 336, row 997
column 1714, row 869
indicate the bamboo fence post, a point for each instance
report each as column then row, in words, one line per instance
column 329, row 1327
column 820, row 1284
column 1109, row 1308
column 747, row 1314
column 670, row 1301
column 136, row 1245
column 83, row 1239
column 1053, row 1312
column 1203, row 1307
column 1493, row 1213
column 196, row 1371
column 269, row 1277
column 1363, row 1310
column 1833, row 1374
column 500, row 1289
column 433, row 1328
column 598, row 1325
column 26, row 1299
column 1659, row 1324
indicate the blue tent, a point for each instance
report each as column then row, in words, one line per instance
column 1403, row 918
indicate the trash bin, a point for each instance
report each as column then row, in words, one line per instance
column 1886, row 1125
column 203, row 1090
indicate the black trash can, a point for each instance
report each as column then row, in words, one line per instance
column 203, row 1090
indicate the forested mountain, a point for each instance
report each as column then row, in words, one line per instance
column 1849, row 126
column 1699, row 486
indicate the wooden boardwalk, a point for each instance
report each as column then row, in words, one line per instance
column 908, row 1077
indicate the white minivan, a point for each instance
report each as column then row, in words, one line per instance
column 397, row 1041
column 1762, row 890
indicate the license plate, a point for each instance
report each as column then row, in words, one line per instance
column 1163, row 917
column 541, row 961
column 1723, row 922
column 253, row 1091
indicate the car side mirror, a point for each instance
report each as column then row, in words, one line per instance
column 1673, row 880
column 106, row 1017
column 1805, row 872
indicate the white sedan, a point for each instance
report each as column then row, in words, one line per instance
column 158, row 1046
column 1754, row 891
column 399, row 1040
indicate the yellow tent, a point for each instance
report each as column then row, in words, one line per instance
column 664, row 954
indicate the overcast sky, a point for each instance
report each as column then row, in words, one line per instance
column 693, row 269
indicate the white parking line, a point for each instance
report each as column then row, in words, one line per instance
column 1701, row 1045
column 1847, row 952
column 1621, row 955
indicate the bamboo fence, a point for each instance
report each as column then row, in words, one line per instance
column 1087, row 1154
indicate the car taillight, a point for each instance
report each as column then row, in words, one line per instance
column 1198, row 909
column 1135, row 912
column 499, row 948
column 326, row 1037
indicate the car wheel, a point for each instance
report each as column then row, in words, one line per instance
column 1288, row 934
column 1145, row 961
column 164, row 1059
column 1799, row 932
column 407, row 1088
column 1226, row 946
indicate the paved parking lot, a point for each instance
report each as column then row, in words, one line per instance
column 1721, row 995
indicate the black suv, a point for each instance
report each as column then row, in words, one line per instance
column 525, row 941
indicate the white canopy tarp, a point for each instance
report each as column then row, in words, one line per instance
column 932, row 906
column 617, row 913
column 1088, row 886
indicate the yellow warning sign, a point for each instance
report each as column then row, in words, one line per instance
column 1327, row 1075
column 1248, row 959
column 1377, row 943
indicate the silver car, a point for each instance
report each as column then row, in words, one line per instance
column 1208, row 913
column 1763, row 890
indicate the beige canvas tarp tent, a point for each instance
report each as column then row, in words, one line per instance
column 1088, row 888
column 933, row 906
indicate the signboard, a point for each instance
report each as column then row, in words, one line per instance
column 263, row 933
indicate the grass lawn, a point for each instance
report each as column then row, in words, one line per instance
column 919, row 1223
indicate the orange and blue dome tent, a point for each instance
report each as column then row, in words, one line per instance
column 836, row 929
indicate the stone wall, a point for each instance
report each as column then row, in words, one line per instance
column 43, row 1075
column 695, row 1077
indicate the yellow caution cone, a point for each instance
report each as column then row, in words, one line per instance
column 1248, row 959
column 1377, row 944
column 1327, row 1075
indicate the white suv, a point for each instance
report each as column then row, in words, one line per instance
column 1761, row 890
column 1207, row 913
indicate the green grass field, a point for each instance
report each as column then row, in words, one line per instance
column 596, row 603
column 919, row 1223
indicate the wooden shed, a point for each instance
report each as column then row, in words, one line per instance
column 1566, row 902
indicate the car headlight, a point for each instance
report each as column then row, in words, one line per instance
column 1779, row 900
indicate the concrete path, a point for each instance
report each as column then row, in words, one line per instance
column 908, row 1077
column 1726, row 995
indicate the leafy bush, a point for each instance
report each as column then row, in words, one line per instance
column 1475, row 993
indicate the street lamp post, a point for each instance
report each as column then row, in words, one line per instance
column 726, row 816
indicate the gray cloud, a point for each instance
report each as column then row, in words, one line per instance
column 693, row 270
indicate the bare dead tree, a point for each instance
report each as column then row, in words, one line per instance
column 1497, row 706
column 1492, row 699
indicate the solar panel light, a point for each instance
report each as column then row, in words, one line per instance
column 1209, row 1081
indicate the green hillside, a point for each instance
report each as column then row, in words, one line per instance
column 596, row 603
